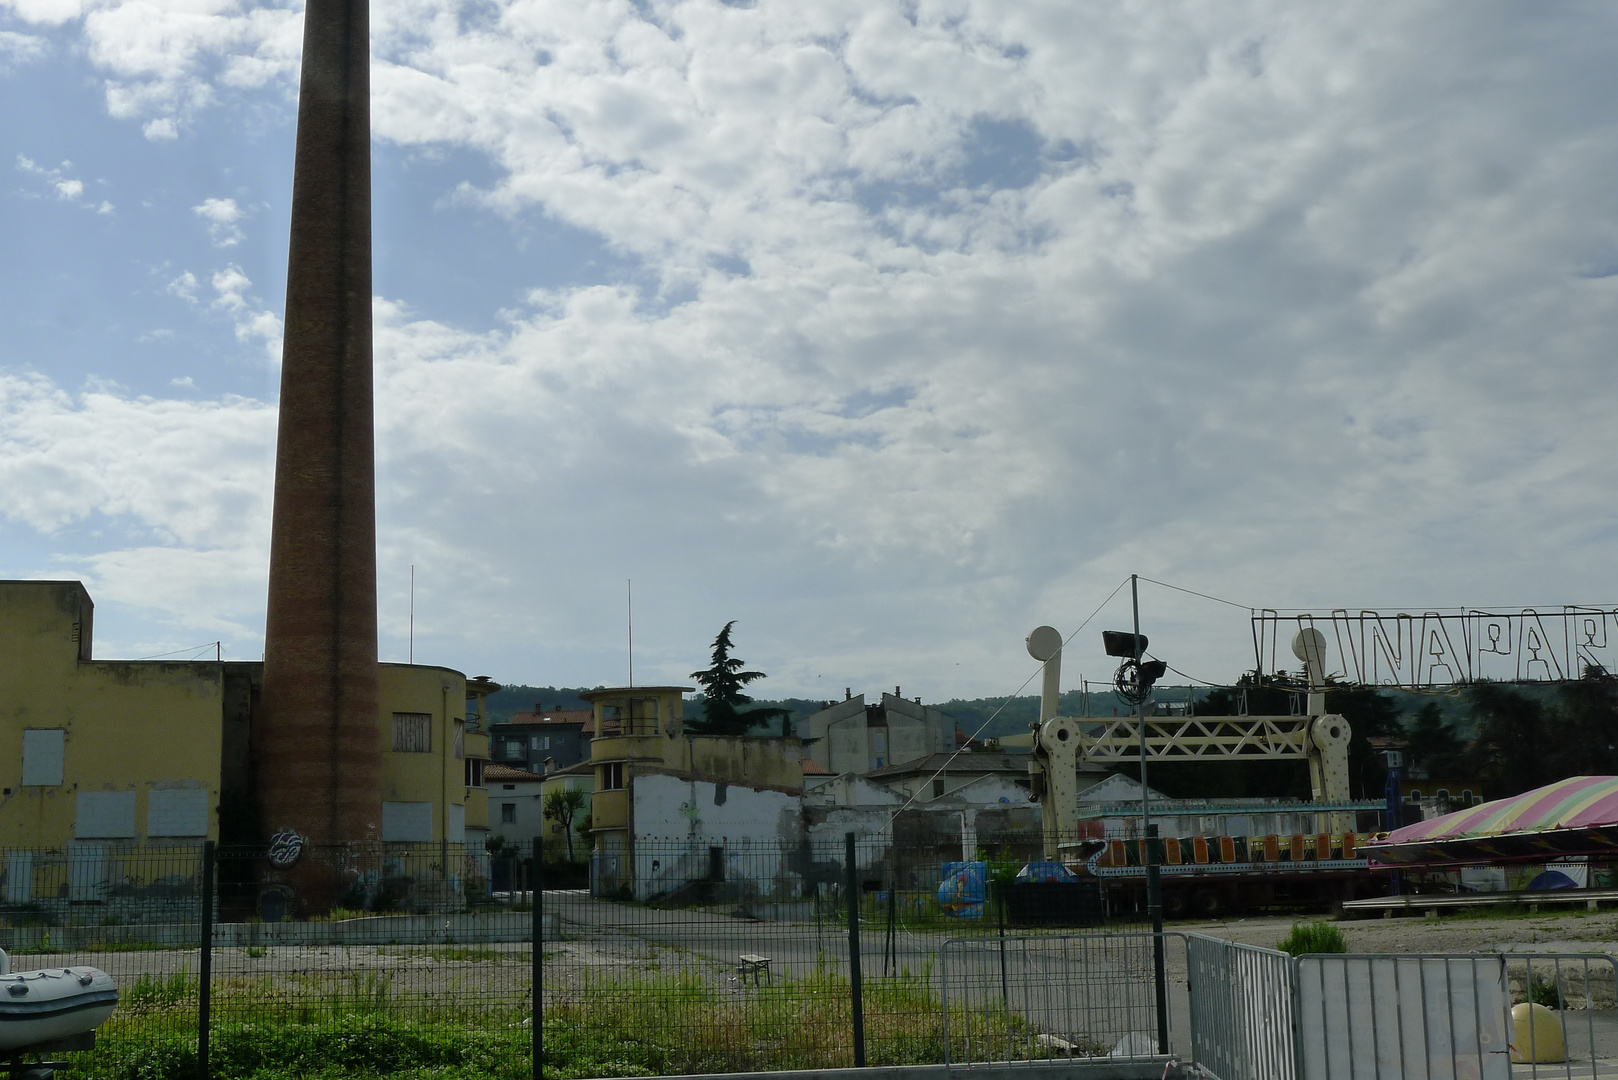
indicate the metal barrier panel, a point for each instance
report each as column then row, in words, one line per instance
column 1241, row 1010
column 1403, row 1017
column 1579, row 990
column 1043, row 998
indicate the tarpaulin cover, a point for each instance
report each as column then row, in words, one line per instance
column 963, row 889
column 1576, row 816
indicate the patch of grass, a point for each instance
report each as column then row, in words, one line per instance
column 46, row 948
column 255, row 951
column 150, row 993
column 365, row 1047
column 1315, row 937
column 462, row 954
column 1547, row 994
column 605, row 1022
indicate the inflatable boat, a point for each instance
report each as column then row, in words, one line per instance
column 51, row 1003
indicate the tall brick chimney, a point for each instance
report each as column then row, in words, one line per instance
column 315, row 743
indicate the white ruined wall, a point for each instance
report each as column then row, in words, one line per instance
column 986, row 791
column 677, row 822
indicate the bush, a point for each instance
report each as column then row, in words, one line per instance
column 1547, row 994
column 365, row 1047
column 1315, row 937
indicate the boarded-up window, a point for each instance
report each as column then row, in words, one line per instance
column 457, row 823
column 407, row 821
column 42, row 756
column 413, row 732
column 19, row 877
column 104, row 814
column 177, row 813
column 460, row 738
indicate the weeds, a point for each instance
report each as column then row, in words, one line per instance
column 153, row 992
column 1547, row 994
column 1315, row 937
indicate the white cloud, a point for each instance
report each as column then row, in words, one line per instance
column 183, row 473
column 954, row 315
column 65, row 187
column 43, row 12
column 246, row 311
column 18, row 49
column 222, row 216
column 185, row 287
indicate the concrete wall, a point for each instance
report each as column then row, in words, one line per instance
column 437, row 776
column 844, row 737
column 144, row 744
column 678, row 821
column 126, row 729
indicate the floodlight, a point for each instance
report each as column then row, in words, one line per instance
column 1123, row 644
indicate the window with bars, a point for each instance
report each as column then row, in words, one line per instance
column 412, row 733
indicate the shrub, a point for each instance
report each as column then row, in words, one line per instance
column 1315, row 937
column 1547, row 994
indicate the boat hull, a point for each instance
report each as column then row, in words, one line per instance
column 53, row 1003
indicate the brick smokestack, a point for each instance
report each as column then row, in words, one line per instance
column 319, row 765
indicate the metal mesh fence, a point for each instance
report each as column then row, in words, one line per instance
column 374, row 959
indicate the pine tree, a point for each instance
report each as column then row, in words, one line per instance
column 723, row 683
column 1432, row 743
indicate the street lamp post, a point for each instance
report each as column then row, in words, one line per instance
column 1134, row 682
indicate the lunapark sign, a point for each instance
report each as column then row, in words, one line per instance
column 1445, row 648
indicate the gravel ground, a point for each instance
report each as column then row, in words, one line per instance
column 1575, row 933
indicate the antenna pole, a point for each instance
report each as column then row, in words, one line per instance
column 412, row 613
column 1154, row 886
column 629, row 584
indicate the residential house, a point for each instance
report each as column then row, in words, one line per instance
column 851, row 736
column 543, row 740
column 671, row 807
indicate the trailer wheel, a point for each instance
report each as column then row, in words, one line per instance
column 1207, row 903
column 1174, row 904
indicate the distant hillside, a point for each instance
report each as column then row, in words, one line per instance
column 998, row 716
column 519, row 698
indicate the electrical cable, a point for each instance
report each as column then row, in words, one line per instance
column 1207, row 596
column 984, row 726
column 177, row 652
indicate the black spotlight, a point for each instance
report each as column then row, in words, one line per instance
column 1122, row 644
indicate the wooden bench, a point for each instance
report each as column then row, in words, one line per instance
column 755, row 965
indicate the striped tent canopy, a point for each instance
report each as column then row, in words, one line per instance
column 1576, row 816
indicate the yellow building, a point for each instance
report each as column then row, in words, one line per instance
column 640, row 742
column 105, row 756
column 95, row 749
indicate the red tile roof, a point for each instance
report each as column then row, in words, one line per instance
column 553, row 716
column 507, row 773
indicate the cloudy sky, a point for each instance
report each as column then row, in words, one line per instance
column 890, row 330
